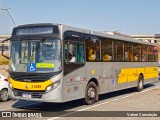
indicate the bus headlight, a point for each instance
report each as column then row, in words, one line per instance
column 52, row 86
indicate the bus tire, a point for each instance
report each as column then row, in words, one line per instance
column 91, row 93
column 4, row 95
column 140, row 84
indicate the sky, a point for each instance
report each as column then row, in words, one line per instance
column 126, row 16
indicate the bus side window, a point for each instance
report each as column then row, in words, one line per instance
column 80, row 53
column 93, row 49
column 69, row 52
column 128, row 51
column 136, row 52
column 155, row 53
column 150, row 53
column 74, row 53
column 118, row 51
column 106, row 49
column 144, row 53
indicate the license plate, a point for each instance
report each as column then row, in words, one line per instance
column 26, row 95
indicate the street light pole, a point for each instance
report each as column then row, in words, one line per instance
column 7, row 10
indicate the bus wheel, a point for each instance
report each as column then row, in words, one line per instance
column 91, row 94
column 140, row 85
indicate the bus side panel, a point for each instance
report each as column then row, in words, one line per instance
column 111, row 76
column 131, row 71
column 74, row 84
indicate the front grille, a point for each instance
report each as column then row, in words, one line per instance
column 32, row 77
column 34, row 94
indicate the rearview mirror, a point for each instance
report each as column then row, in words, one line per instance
column 3, row 47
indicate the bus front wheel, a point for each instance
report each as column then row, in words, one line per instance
column 140, row 85
column 91, row 94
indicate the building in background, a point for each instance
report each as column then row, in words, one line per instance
column 153, row 38
column 148, row 38
column 4, row 36
column 7, row 44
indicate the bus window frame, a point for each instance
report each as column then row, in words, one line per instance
column 71, row 66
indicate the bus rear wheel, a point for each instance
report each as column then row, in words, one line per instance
column 91, row 94
column 140, row 84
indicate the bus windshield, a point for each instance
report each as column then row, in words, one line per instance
column 36, row 55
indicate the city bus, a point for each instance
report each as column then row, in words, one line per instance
column 59, row 63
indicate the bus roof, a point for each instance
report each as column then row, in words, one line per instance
column 118, row 37
column 87, row 31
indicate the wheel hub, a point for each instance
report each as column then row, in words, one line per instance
column 140, row 84
column 91, row 93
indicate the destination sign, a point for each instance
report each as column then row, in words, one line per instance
column 34, row 30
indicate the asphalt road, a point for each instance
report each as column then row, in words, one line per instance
column 116, row 105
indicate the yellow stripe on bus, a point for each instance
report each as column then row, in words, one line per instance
column 37, row 86
column 132, row 74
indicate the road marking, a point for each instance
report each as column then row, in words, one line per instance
column 103, row 103
column 20, row 106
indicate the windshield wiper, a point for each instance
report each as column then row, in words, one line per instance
column 43, row 39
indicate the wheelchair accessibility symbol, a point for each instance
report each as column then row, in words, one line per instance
column 32, row 67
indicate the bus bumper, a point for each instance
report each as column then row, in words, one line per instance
column 52, row 96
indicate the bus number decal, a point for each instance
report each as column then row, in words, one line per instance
column 36, row 86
